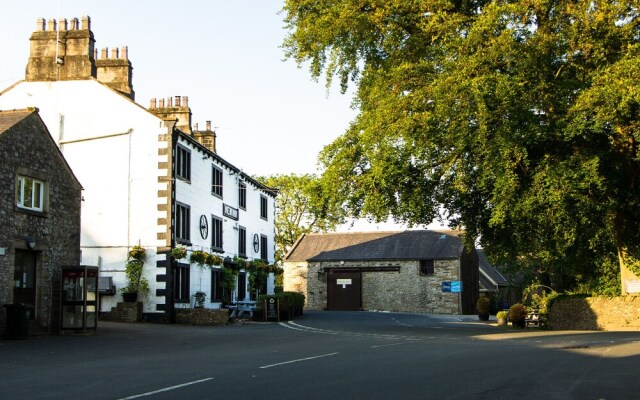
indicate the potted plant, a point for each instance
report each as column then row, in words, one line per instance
column 517, row 315
column 198, row 257
column 136, row 283
column 483, row 306
column 199, row 299
column 502, row 317
column 178, row 253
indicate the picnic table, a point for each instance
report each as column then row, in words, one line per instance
column 241, row 308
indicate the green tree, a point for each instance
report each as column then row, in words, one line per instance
column 303, row 205
column 520, row 118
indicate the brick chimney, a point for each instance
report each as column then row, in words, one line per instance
column 178, row 110
column 62, row 51
column 114, row 70
column 207, row 138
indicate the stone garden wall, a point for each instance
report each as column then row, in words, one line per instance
column 596, row 313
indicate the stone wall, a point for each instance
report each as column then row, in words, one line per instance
column 26, row 149
column 202, row 316
column 405, row 290
column 124, row 312
column 596, row 313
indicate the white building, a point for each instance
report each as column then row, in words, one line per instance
column 148, row 177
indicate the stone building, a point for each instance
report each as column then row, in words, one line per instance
column 149, row 178
column 40, row 201
column 409, row 271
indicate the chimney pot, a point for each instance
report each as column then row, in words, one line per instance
column 40, row 24
column 161, row 103
column 195, row 127
column 74, row 24
column 177, row 101
column 51, row 25
column 115, row 53
column 103, row 53
column 153, row 103
column 208, row 126
column 169, row 101
column 185, row 101
column 86, row 23
column 124, row 53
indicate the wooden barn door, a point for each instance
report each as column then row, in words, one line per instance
column 344, row 291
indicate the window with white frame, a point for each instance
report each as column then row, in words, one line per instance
column 183, row 223
column 216, row 181
column 183, row 163
column 216, row 233
column 30, row 193
column 263, row 207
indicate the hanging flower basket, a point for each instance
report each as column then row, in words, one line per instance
column 198, row 257
column 212, row 259
column 137, row 252
column 179, row 253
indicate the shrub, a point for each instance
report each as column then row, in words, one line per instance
column 483, row 305
column 502, row 314
column 518, row 312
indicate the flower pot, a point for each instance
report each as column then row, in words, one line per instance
column 520, row 323
column 502, row 321
column 130, row 297
column 483, row 317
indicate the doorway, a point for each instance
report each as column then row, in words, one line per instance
column 24, row 279
column 344, row 290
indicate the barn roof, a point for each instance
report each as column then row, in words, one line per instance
column 354, row 246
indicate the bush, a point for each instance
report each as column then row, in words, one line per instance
column 483, row 305
column 502, row 314
column 518, row 312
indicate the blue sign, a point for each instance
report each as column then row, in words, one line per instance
column 456, row 286
column 446, row 287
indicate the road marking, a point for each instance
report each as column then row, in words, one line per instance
column 165, row 389
column 387, row 345
column 298, row 360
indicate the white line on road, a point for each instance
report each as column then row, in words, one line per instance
column 387, row 345
column 298, row 360
column 165, row 389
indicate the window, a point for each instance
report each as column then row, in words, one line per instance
column 216, row 286
column 263, row 207
column 181, row 283
column 216, row 233
column 426, row 267
column 183, row 163
column 183, row 223
column 242, row 241
column 30, row 193
column 264, row 254
column 242, row 195
column 216, row 181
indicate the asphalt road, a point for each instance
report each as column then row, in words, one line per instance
column 324, row 355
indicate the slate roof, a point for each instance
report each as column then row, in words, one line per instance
column 10, row 118
column 488, row 273
column 369, row 246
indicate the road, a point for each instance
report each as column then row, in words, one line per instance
column 324, row 355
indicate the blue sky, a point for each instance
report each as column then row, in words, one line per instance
column 225, row 55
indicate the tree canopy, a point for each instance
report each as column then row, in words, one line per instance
column 302, row 206
column 520, row 118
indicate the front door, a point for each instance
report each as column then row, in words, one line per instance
column 344, row 290
column 24, row 278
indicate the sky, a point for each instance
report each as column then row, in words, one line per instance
column 225, row 55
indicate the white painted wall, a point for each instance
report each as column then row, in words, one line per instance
column 111, row 143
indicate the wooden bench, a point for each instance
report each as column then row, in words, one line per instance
column 533, row 318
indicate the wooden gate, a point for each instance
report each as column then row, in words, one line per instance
column 344, row 290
